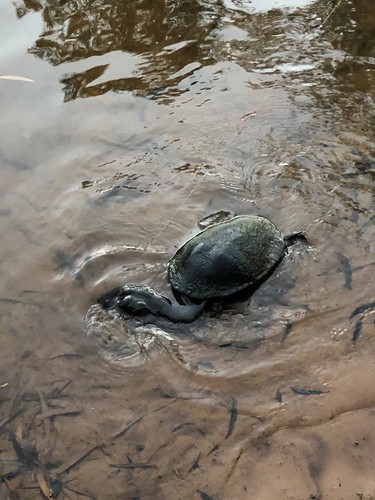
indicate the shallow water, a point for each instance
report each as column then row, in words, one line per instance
column 140, row 120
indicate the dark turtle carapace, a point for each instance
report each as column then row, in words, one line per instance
column 220, row 261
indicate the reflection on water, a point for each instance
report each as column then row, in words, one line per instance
column 190, row 108
column 148, row 48
column 133, row 46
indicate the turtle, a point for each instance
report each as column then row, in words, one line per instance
column 222, row 260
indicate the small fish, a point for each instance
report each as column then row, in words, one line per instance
column 278, row 396
column 233, row 418
column 354, row 216
column 362, row 308
column 287, row 330
column 307, row 392
column 5, row 212
column 346, row 269
column 357, row 330
column 195, row 464
column 204, row 495
column 215, row 448
column 67, row 355
column 4, row 300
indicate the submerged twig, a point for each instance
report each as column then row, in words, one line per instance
column 124, row 428
column 57, row 412
column 8, row 419
column 65, row 467
column 45, row 484
column 28, row 456
column 133, row 465
column 195, row 464
column 44, row 408
column 56, row 392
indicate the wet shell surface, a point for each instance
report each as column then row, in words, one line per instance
column 227, row 257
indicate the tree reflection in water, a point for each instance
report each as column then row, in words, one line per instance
column 161, row 36
column 148, row 46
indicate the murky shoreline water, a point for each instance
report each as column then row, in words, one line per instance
column 143, row 118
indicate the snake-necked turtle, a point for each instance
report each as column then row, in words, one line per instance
column 223, row 259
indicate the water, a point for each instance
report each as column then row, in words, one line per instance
column 140, row 120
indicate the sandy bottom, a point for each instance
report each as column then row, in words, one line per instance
column 77, row 426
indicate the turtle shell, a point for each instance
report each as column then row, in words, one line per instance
column 226, row 257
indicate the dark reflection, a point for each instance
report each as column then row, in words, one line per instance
column 74, row 31
column 77, row 30
column 149, row 46
column 353, row 27
column 352, row 30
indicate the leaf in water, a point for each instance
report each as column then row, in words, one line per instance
column 15, row 77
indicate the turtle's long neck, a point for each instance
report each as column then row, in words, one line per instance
column 142, row 300
column 181, row 313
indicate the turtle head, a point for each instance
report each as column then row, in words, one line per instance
column 133, row 301
column 141, row 300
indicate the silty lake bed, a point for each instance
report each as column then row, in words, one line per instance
column 139, row 120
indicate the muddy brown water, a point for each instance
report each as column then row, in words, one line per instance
column 141, row 119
